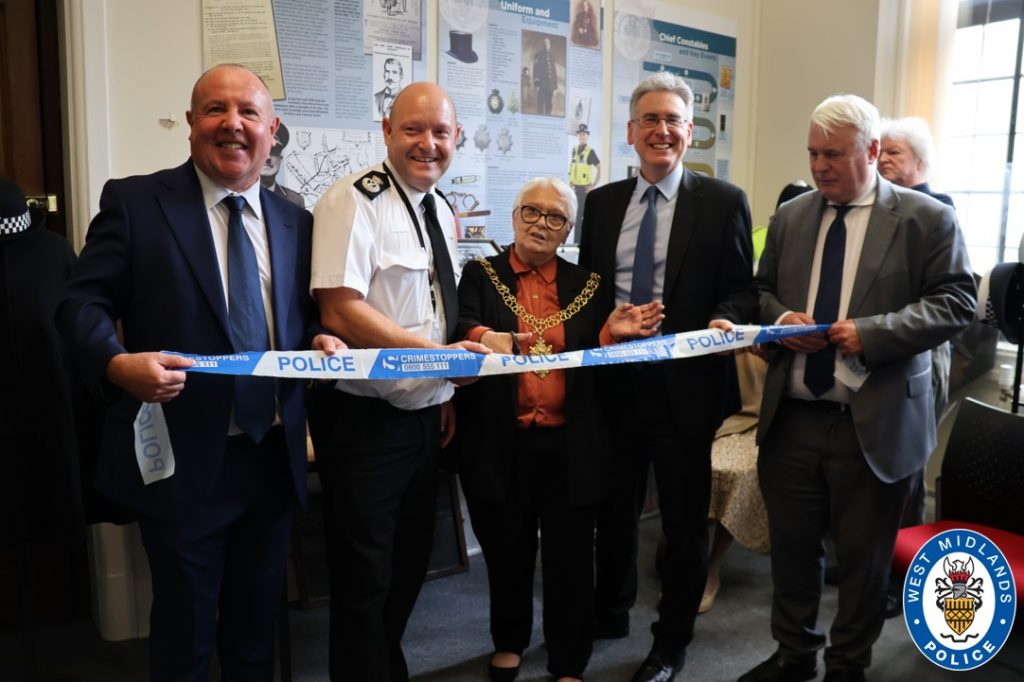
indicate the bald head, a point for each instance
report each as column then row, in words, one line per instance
column 232, row 125
column 419, row 95
column 420, row 134
column 220, row 67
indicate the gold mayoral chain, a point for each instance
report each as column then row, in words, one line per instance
column 540, row 346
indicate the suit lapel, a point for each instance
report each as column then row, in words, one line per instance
column 882, row 227
column 807, row 227
column 282, row 242
column 609, row 237
column 181, row 200
column 684, row 221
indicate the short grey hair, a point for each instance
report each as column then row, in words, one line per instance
column 840, row 111
column 554, row 183
column 916, row 133
column 663, row 81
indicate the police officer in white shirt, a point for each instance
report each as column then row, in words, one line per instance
column 383, row 246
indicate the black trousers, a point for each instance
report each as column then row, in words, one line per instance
column 218, row 572
column 815, row 480
column 378, row 469
column 648, row 433
column 538, row 498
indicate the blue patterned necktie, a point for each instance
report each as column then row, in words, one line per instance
column 642, row 289
column 819, row 373
column 254, row 396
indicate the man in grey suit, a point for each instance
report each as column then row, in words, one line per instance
column 848, row 415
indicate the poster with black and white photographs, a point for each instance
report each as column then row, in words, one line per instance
column 390, row 64
column 334, row 57
column 392, row 21
column 522, row 86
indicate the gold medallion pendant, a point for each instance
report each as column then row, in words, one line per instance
column 541, row 347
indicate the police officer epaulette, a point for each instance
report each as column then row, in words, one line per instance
column 373, row 184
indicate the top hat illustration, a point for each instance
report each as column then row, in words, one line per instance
column 1001, row 299
column 461, row 44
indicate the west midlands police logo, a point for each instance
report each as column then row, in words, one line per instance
column 959, row 599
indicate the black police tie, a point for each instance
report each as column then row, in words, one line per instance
column 254, row 396
column 819, row 373
column 642, row 289
column 442, row 267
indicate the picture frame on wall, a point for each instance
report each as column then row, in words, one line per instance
column 470, row 249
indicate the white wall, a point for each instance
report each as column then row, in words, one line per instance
column 809, row 49
column 155, row 54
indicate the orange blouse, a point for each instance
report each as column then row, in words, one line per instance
column 540, row 400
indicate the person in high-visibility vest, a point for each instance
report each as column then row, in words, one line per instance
column 584, row 172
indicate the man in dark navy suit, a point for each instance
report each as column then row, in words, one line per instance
column 201, row 259
column 684, row 239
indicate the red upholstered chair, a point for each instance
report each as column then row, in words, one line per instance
column 981, row 487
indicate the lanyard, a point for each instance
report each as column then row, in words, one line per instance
column 408, row 204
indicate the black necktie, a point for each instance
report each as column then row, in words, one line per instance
column 819, row 374
column 642, row 288
column 442, row 266
column 254, row 396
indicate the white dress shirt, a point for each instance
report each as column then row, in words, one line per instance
column 668, row 188
column 856, row 220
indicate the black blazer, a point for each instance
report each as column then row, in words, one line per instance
column 708, row 275
column 149, row 262
column 487, row 408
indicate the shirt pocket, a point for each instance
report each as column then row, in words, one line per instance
column 405, row 289
column 398, row 241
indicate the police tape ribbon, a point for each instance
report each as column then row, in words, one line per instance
column 446, row 363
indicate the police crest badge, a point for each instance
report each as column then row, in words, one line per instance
column 373, row 184
column 959, row 599
column 959, row 595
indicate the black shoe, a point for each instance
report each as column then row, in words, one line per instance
column 496, row 674
column 612, row 627
column 845, row 675
column 893, row 605
column 778, row 669
column 659, row 668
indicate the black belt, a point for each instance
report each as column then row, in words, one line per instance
column 819, row 406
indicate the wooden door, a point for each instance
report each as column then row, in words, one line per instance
column 31, row 150
column 46, row 581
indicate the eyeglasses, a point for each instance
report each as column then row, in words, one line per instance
column 652, row 121
column 531, row 215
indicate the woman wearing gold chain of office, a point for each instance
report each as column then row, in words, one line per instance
column 533, row 449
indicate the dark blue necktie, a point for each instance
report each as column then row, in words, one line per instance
column 819, row 374
column 254, row 396
column 442, row 266
column 642, row 289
